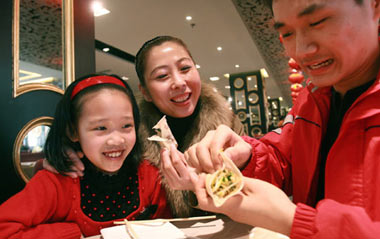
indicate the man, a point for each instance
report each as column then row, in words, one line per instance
column 326, row 155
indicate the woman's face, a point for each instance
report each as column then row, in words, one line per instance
column 106, row 129
column 172, row 81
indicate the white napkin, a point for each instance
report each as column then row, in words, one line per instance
column 160, row 230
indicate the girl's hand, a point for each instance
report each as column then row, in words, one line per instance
column 258, row 204
column 175, row 169
column 204, row 155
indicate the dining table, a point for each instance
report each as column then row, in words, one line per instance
column 220, row 227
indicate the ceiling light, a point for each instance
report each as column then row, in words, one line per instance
column 124, row 78
column 106, row 49
column 99, row 10
column 227, row 87
column 230, row 99
column 237, row 66
column 197, row 66
column 280, row 98
column 264, row 72
column 188, row 18
column 214, row 78
column 219, row 48
column 227, row 75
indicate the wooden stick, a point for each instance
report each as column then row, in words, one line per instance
column 166, row 220
column 131, row 232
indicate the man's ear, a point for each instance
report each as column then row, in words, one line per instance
column 145, row 93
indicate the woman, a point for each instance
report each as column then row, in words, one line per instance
column 171, row 86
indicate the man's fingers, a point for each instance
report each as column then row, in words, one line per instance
column 207, row 163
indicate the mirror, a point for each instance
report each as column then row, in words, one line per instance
column 240, row 102
column 255, row 116
column 28, row 147
column 43, row 45
column 252, row 83
column 253, row 98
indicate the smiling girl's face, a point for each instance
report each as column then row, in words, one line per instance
column 106, row 130
column 172, row 81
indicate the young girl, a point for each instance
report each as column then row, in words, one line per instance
column 99, row 116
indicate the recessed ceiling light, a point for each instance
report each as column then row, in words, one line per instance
column 219, row 48
column 237, row 66
column 214, row 78
column 229, row 99
column 280, row 98
column 124, row 78
column 197, row 66
column 188, row 18
column 227, row 75
column 99, row 10
column 106, row 49
column 227, row 87
column 268, row 97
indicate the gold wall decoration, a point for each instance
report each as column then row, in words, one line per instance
column 43, row 45
column 28, row 147
column 249, row 101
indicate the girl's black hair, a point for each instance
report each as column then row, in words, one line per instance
column 140, row 61
column 66, row 121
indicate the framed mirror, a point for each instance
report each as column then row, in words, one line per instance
column 43, row 51
column 28, row 147
column 252, row 83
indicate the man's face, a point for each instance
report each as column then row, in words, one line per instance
column 334, row 41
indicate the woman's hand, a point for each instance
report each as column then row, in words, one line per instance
column 175, row 169
column 77, row 167
column 204, row 155
column 258, row 204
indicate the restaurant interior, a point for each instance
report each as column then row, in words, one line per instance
column 46, row 44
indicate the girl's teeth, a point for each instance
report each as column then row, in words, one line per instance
column 113, row 155
column 319, row 65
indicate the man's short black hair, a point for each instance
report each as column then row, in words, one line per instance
column 269, row 3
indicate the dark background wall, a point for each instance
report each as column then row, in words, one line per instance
column 16, row 112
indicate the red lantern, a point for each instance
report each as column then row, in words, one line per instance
column 296, row 87
column 293, row 64
column 295, row 78
column 294, row 94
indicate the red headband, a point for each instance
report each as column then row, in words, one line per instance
column 95, row 80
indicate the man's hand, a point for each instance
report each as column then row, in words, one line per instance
column 258, row 204
column 204, row 155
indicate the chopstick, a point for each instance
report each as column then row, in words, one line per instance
column 166, row 220
column 131, row 232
